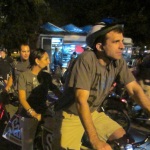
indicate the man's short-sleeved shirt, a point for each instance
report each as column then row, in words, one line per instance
column 21, row 66
column 18, row 67
column 88, row 74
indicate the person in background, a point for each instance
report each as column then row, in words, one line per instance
column 73, row 57
column 33, row 86
column 69, row 66
column 136, row 63
column 57, row 58
column 18, row 66
column 143, row 74
column 57, row 72
column 5, row 65
column 90, row 81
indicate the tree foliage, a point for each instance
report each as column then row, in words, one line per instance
column 21, row 20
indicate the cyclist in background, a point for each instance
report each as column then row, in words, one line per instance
column 18, row 66
column 5, row 64
column 143, row 74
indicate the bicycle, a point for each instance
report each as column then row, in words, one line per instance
column 44, row 134
column 117, row 109
column 125, row 143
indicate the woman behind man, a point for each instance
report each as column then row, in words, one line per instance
column 33, row 86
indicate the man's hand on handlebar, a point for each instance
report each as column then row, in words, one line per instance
column 100, row 145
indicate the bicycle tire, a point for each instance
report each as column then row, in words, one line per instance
column 119, row 116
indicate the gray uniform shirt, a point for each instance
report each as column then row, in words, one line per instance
column 18, row 67
column 89, row 74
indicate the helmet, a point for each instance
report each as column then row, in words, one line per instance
column 3, row 49
column 98, row 30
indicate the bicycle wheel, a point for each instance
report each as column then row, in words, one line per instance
column 38, row 139
column 119, row 116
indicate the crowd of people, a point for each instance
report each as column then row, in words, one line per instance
column 88, row 81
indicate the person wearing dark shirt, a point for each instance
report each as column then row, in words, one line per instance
column 143, row 74
column 57, row 58
column 33, row 86
column 5, row 65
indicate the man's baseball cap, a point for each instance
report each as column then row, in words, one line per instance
column 98, row 30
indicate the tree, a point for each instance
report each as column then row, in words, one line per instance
column 21, row 20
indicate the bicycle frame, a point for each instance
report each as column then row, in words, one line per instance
column 12, row 132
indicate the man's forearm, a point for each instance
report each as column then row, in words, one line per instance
column 87, row 122
column 140, row 97
column 143, row 101
column 86, row 118
column 137, row 93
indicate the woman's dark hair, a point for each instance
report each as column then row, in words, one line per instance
column 38, row 53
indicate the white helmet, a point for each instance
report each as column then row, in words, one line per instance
column 98, row 30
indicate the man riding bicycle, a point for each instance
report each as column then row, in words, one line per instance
column 89, row 82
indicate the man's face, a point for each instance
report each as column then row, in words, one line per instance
column 114, row 45
column 25, row 52
column 3, row 54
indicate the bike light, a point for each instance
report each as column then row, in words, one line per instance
column 128, row 147
column 2, row 113
column 123, row 100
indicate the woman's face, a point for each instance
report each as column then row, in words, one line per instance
column 44, row 61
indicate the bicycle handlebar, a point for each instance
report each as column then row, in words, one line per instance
column 137, row 144
column 121, row 143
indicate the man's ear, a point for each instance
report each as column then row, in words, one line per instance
column 37, row 61
column 99, row 46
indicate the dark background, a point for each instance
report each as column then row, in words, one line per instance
column 20, row 20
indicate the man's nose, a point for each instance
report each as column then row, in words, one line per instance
column 122, row 45
column 48, row 61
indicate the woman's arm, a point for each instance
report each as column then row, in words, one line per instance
column 26, row 106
